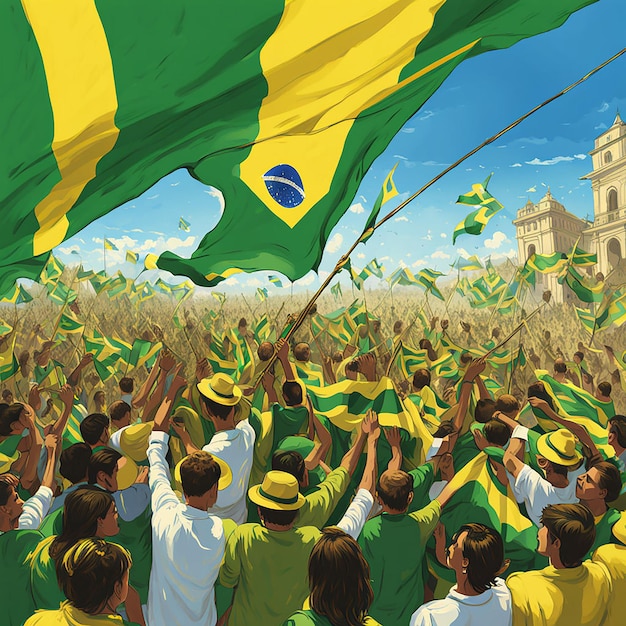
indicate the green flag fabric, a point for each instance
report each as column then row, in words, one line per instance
column 284, row 108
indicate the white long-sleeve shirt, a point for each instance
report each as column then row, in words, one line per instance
column 187, row 549
column 35, row 509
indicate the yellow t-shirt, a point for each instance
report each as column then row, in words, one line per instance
column 560, row 597
column 613, row 557
column 69, row 615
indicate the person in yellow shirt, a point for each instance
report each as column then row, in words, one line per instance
column 94, row 577
column 568, row 591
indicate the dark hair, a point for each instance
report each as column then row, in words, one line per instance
column 127, row 384
column 397, row 326
column 484, row 549
column 421, row 378
column 445, row 428
column 220, row 411
column 610, row 479
column 74, row 462
column 81, row 511
column 265, row 350
column 9, row 413
column 6, row 487
column 560, row 367
column 289, row 461
column 92, row 427
column 339, row 579
column 89, row 572
column 199, row 472
column 559, row 469
column 485, row 408
column 102, row 461
column 394, row 488
column 617, row 426
column 280, row 518
column 352, row 366
column 605, row 388
column 242, row 322
column 292, row 393
column 497, row 432
column 580, row 355
column 299, row 350
column 118, row 410
column 507, row 403
column 538, row 390
column 465, row 358
column 574, row 526
column 6, row 393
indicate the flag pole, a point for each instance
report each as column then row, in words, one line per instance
column 344, row 259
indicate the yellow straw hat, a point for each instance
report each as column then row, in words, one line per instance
column 559, row 447
column 220, row 388
column 278, row 491
column 226, row 476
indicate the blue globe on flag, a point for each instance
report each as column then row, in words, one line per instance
column 284, row 185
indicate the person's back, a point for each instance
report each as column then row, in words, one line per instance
column 570, row 590
column 613, row 557
column 393, row 544
column 269, row 569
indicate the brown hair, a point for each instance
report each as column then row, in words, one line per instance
column 89, row 571
column 290, row 461
column 339, row 579
column 497, row 432
column 279, row 518
column 605, row 388
column 118, row 410
column 198, row 473
column 617, row 426
column 394, row 487
column 484, row 549
column 610, row 479
column 574, row 526
column 421, row 378
column 485, row 408
column 507, row 403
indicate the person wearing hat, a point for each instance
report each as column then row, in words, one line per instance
column 187, row 539
column 558, row 458
column 270, row 558
column 232, row 443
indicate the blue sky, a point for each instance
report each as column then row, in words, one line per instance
column 481, row 96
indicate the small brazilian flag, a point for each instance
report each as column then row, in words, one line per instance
column 468, row 265
column 184, row 225
column 132, row 257
column 109, row 245
column 261, row 293
column 336, row 290
column 284, row 110
column 275, row 281
column 475, row 222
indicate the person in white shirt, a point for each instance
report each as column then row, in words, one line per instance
column 558, row 458
column 476, row 555
column 187, row 541
column 232, row 443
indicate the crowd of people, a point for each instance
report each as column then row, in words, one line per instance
column 184, row 493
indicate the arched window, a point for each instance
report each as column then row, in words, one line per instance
column 614, row 252
column 531, row 250
column 611, row 200
column 608, row 157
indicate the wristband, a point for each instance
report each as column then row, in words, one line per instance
column 467, row 382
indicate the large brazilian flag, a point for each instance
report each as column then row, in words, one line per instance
column 281, row 104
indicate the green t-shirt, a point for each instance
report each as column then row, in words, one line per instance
column 136, row 537
column 310, row 618
column 288, row 421
column 265, row 565
column 320, row 503
column 17, row 598
column 423, row 479
column 46, row 591
column 394, row 547
column 604, row 530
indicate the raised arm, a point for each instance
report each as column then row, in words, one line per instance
column 144, row 391
column 268, row 385
column 394, row 437
column 474, row 369
column 283, row 356
column 29, row 476
column 351, row 457
column 74, row 378
column 66, row 394
column 320, row 450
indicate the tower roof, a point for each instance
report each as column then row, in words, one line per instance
column 618, row 120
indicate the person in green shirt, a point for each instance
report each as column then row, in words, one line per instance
column 94, row 576
column 339, row 581
column 394, row 545
column 264, row 559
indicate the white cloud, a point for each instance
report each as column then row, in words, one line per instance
column 363, row 198
column 216, row 193
column 516, row 165
column 254, row 282
column 425, row 115
column 531, row 190
column 600, row 126
column 556, row 159
column 174, row 184
column 70, row 249
column 499, row 256
column 604, row 107
column 231, row 281
column 360, row 255
column 153, row 197
column 408, row 131
column 402, row 264
column 357, row 208
column 434, row 164
column 462, row 252
column 334, row 243
column 443, row 235
column 419, row 263
column 402, row 218
column 439, row 254
column 306, row 280
column 399, row 156
column 496, row 241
